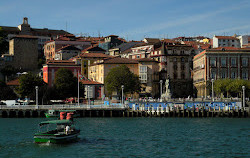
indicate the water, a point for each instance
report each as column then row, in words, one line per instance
column 133, row 137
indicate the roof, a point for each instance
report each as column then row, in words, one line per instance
column 25, row 36
column 13, row 82
column 226, row 37
column 119, row 60
column 68, row 47
column 87, row 82
column 152, row 40
column 94, row 55
column 146, row 60
column 95, row 48
column 62, row 62
column 125, row 46
column 58, row 122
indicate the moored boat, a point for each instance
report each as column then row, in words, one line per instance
column 64, row 131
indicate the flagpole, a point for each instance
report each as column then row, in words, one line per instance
column 78, row 87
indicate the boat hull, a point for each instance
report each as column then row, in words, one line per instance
column 53, row 138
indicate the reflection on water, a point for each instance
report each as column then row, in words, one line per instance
column 133, row 137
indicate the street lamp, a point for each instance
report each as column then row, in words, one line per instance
column 243, row 99
column 122, row 93
column 88, row 95
column 212, row 89
column 36, row 95
column 161, row 87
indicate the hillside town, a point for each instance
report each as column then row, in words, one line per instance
column 184, row 66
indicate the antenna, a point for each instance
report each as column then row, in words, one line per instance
column 66, row 26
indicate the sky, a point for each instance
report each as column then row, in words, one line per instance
column 132, row 19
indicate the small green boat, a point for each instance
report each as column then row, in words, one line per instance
column 51, row 113
column 64, row 132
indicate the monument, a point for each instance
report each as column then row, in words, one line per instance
column 167, row 95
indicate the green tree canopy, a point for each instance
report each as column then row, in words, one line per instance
column 231, row 87
column 27, row 85
column 4, row 45
column 65, row 83
column 119, row 76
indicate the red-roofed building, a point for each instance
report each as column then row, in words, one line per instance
column 219, row 63
column 51, row 67
column 92, row 89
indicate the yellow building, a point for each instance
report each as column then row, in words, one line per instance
column 146, row 69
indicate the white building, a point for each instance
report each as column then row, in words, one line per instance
column 230, row 41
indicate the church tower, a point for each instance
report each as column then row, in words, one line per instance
column 24, row 27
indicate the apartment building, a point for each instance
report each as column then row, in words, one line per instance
column 218, row 63
column 230, row 41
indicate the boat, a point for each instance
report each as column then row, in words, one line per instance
column 64, row 131
column 54, row 113
column 51, row 113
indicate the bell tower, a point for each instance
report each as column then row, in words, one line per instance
column 24, row 27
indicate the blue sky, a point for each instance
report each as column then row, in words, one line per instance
column 132, row 19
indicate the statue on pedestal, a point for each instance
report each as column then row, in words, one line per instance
column 167, row 95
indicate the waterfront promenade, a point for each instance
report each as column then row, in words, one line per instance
column 126, row 110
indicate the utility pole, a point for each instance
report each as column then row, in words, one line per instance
column 36, row 95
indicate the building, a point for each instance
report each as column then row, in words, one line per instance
column 176, row 65
column 51, row 67
column 50, row 47
column 119, row 50
column 42, row 35
column 67, row 52
column 230, row 41
column 22, row 53
column 220, row 63
column 110, row 42
column 92, row 89
column 146, row 69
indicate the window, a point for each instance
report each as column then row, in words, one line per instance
column 212, row 62
column 175, row 75
column 182, row 67
column 232, row 40
column 175, row 59
column 213, row 74
column 233, row 61
column 143, row 78
column 223, row 62
column 138, row 56
column 143, row 69
column 244, row 62
column 245, row 75
column 233, row 74
column 223, row 74
column 182, row 59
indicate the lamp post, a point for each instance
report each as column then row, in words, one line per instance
column 212, row 89
column 122, row 93
column 88, row 95
column 78, row 88
column 243, row 99
column 36, row 95
column 161, row 87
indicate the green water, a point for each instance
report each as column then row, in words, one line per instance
column 133, row 137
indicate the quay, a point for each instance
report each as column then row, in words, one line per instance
column 123, row 111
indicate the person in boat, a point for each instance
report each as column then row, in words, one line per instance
column 67, row 129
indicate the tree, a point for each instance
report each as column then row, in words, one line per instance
column 231, row 87
column 65, row 83
column 6, row 92
column 27, row 85
column 4, row 45
column 8, row 70
column 119, row 76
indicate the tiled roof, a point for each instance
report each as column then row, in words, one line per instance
column 119, row 60
column 62, row 62
column 94, row 48
column 25, row 36
column 226, row 37
column 68, row 47
column 94, row 55
column 13, row 82
column 146, row 60
column 90, row 82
